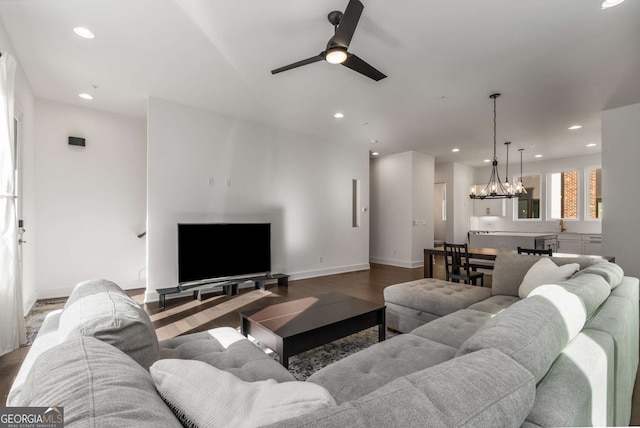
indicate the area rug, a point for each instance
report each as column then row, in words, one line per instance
column 36, row 315
column 301, row 366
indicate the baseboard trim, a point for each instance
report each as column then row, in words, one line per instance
column 53, row 293
column 329, row 271
column 398, row 263
column 29, row 302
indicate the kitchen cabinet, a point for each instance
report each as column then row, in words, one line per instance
column 592, row 245
column 489, row 207
column 570, row 243
column 511, row 240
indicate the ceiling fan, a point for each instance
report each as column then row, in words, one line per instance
column 336, row 51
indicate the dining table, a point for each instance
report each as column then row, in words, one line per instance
column 488, row 254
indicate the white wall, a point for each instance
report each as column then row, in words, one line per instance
column 24, row 105
column 542, row 167
column 302, row 185
column 462, row 180
column 620, row 173
column 90, row 201
column 401, row 208
column 422, row 201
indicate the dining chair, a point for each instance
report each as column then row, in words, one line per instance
column 456, row 259
column 535, row 251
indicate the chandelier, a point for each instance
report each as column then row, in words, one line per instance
column 495, row 188
column 520, row 189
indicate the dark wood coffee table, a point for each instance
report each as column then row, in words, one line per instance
column 293, row 327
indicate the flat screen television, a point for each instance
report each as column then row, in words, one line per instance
column 222, row 250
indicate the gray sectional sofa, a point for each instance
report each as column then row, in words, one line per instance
column 566, row 355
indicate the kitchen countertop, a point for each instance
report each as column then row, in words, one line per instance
column 532, row 234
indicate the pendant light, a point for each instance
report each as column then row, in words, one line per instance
column 494, row 189
column 520, row 189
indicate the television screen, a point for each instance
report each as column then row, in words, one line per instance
column 220, row 250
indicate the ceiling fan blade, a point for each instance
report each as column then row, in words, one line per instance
column 348, row 24
column 311, row 60
column 357, row 64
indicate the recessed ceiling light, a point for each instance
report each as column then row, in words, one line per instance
column 373, row 141
column 84, row 32
column 486, row 160
column 575, row 127
column 375, row 154
column 338, row 115
column 591, row 145
column 86, row 96
column 455, row 150
column 538, row 156
column 610, row 3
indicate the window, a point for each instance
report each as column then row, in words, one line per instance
column 563, row 195
column 528, row 204
column 593, row 197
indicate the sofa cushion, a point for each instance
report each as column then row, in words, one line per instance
column 592, row 289
column 207, row 396
column 363, row 372
column 482, row 389
column 228, row 350
column 532, row 331
column 568, row 305
column 545, row 271
column 47, row 338
column 611, row 272
column 455, row 328
column 101, row 309
column 618, row 318
column 494, row 304
column 435, row 296
column 578, row 390
column 98, row 386
column 510, row 269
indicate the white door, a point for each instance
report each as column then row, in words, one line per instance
column 440, row 212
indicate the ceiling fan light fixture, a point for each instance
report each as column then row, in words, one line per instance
column 336, row 55
column 84, row 32
column 610, row 3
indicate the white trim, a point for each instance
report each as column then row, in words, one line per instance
column 398, row 263
column 28, row 303
column 53, row 293
column 585, row 175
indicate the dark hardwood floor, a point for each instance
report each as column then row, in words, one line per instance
column 185, row 315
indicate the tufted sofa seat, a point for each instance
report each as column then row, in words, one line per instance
column 366, row 371
column 228, row 350
column 412, row 304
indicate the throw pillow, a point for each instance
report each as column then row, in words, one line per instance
column 207, row 396
column 545, row 271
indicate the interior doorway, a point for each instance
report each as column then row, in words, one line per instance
column 439, row 213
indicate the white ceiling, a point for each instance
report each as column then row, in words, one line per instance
column 556, row 63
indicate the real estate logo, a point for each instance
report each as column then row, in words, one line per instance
column 31, row 417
